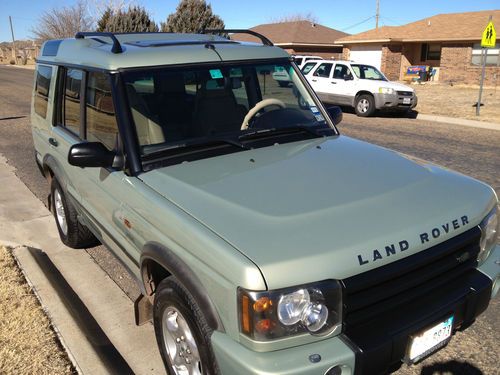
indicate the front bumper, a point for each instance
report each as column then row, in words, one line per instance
column 375, row 349
column 233, row 358
column 395, row 101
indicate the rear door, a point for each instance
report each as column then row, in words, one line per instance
column 68, row 127
column 322, row 83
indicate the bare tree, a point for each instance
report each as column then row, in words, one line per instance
column 64, row 22
column 296, row 17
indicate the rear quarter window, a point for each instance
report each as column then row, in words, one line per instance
column 42, row 90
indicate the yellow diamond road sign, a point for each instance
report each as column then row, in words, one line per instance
column 489, row 36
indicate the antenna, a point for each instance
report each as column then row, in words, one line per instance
column 377, row 14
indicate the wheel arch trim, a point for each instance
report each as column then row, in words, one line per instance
column 176, row 267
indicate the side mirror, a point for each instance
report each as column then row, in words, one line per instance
column 348, row 77
column 335, row 114
column 90, row 154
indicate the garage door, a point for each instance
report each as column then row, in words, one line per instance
column 371, row 55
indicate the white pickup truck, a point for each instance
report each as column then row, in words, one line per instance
column 360, row 86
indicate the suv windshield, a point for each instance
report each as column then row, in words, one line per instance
column 368, row 72
column 175, row 108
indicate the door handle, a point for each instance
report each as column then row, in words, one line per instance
column 53, row 142
column 314, row 80
column 333, row 83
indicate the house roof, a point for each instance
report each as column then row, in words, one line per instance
column 442, row 27
column 304, row 33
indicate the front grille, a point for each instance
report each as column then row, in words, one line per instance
column 375, row 293
column 405, row 93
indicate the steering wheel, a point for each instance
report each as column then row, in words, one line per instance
column 260, row 105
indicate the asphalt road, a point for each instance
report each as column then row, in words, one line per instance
column 471, row 151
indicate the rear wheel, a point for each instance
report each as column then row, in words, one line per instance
column 182, row 332
column 71, row 232
column 365, row 105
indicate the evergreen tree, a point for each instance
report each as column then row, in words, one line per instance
column 191, row 16
column 103, row 21
column 135, row 19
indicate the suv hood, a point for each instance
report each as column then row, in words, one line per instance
column 318, row 209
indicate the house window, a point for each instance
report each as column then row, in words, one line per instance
column 430, row 52
column 492, row 55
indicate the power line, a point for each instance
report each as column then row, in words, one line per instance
column 359, row 23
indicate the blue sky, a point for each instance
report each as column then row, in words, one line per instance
column 341, row 15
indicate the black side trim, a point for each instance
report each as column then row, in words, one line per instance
column 174, row 265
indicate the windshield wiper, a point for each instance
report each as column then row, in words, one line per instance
column 194, row 145
column 263, row 133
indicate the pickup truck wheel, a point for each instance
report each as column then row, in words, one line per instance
column 365, row 105
column 72, row 233
column 182, row 333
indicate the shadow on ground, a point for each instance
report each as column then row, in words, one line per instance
column 411, row 114
column 451, row 368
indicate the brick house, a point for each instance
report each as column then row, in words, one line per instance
column 300, row 37
column 450, row 42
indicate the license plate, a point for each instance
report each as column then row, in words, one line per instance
column 428, row 341
column 406, row 100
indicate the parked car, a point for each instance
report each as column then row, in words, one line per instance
column 300, row 60
column 262, row 240
column 282, row 76
column 356, row 85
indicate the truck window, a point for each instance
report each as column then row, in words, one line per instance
column 42, row 87
column 101, row 121
column 71, row 102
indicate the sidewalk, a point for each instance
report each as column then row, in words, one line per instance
column 91, row 314
column 459, row 121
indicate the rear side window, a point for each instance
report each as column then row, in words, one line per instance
column 307, row 67
column 323, row 70
column 72, row 90
column 101, row 121
column 42, row 87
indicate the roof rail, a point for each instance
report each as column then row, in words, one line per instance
column 117, row 47
column 264, row 40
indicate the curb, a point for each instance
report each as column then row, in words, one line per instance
column 96, row 324
column 459, row 121
column 45, row 309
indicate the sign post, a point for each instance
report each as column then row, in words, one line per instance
column 487, row 41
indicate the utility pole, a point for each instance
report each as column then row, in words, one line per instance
column 377, row 14
column 13, row 40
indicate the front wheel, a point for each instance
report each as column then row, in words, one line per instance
column 182, row 332
column 365, row 105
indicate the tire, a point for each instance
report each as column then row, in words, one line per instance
column 364, row 105
column 283, row 83
column 182, row 333
column 72, row 233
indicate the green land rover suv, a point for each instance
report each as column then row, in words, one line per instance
column 263, row 241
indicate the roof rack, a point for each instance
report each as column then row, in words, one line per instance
column 264, row 40
column 117, row 47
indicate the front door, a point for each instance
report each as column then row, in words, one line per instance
column 345, row 84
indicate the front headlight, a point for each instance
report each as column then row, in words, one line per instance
column 314, row 308
column 490, row 226
column 385, row 90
